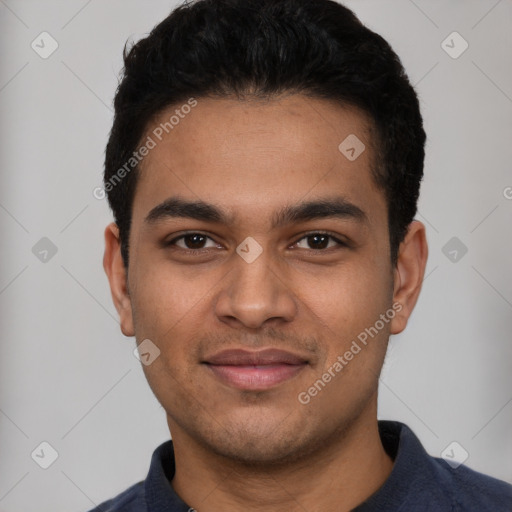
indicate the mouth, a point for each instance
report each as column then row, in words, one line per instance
column 255, row 370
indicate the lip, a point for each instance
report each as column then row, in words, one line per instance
column 255, row 370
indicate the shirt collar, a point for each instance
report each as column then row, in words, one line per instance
column 413, row 471
column 160, row 496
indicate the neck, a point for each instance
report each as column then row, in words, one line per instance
column 347, row 470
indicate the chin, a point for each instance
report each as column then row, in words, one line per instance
column 257, row 452
column 259, row 443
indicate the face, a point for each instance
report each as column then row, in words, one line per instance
column 286, row 248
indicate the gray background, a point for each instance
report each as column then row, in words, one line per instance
column 67, row 374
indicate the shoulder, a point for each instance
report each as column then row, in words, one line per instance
column 130, row 500
column 420, row 481
column 472, row 490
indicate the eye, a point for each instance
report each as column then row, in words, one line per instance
column 198, row 242
column 192, row 242
column 318, row 241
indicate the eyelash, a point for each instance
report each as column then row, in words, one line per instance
column 201, row 251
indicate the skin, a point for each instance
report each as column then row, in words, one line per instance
column 264, row 450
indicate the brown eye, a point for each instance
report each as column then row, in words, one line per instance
column 319, row 241
column 192, row 241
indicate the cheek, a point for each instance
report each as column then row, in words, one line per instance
column 347, row 297
column 163, row 297
column 347, row 311
column 345, row 308
column 170, row 313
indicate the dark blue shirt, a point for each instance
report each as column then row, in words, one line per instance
column 417, row 483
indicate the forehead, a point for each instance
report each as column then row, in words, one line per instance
column 252, row 156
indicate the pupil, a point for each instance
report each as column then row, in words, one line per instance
column 316, row 238
column 197, row 240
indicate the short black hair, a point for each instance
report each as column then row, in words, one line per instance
column 262, row 49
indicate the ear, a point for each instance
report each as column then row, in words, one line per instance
column 408, row 274
column 117, row 276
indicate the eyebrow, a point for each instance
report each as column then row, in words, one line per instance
column 337, row 207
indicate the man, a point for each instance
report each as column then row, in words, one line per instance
column 263, row 169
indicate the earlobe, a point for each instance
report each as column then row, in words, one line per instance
column 409, row 273
column 117, row 277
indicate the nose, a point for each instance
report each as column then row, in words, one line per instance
column 255, row 294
